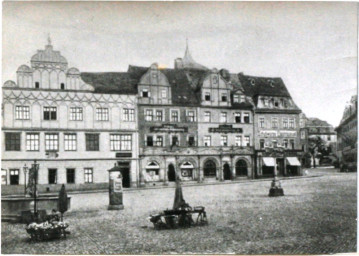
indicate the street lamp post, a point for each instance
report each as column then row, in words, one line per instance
column 25, row 169
column 276, row 189
column 35, row 167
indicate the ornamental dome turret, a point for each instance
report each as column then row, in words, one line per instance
column 9, row 83
column 48, row 57
column 24, row 69
column 73, row 71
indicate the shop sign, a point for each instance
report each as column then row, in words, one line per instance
column 225, row 129
column 169, row 128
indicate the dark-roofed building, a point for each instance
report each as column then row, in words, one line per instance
column 76, row 125
column 276, row 126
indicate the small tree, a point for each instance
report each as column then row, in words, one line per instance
column 62, row 202
column 316, row 147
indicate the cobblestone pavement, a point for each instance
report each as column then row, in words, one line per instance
column 317, row 215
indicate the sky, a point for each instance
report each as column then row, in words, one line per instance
column 312, row 46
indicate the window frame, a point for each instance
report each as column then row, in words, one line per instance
column 207, row 96
column 67, row 175
column 128, row 114
column 207, row 116
column 22, row 112
column 238, row 140
column 51, row 112
column 224, row 140
column 149, row 118
column 120, row 142
column 245, row 116
column 18, row 176
column 102, row 114
column 91, row 143
column 88, row 175
column 157, row 115
column 32, row 144
column 13, row 144
column 178, row 115
column 70, row 144
column 76, row 114
column 50, row 143
column 50, row 173
column 207, row 138
column 224, row 117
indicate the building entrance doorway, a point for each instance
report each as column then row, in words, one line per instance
column 241, row 168
column 226, row 172
column 125, row 171
column 280, row 166
column 209, row 169
column 171, row 173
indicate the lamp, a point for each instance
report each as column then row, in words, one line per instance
column 25, row 170
column 35, row 167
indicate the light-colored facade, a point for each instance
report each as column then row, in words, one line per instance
column 76, row 134
column 347, row 139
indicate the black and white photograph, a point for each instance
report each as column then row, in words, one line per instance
column 179, row 128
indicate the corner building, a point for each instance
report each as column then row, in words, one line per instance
column 76, row 125
column 276, row 126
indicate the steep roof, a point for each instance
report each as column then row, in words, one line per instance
column 313, row 121
column 111, row 82
column 253, row 86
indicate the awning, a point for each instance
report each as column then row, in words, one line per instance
column 293, row 161
column 268, row 161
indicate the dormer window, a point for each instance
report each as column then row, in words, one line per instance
column 62, row 86
column 207, row 96
column 276, row 104
column 224, row 97
column 145, row 93
column 215, row 79
column 236, row 98
column 37, row 85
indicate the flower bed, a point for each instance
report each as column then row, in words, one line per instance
column 47, row 230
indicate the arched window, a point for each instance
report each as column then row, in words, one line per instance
column 187, row 170
column 209, row 169
column 152, row 171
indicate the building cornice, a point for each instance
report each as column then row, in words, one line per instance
column 26, row 129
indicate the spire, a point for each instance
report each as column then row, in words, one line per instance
column 48, row 39
column 187, row 55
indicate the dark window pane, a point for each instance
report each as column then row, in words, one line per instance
column 52, row 176
column 92, row 142
column 12, row 141
column 70, row 173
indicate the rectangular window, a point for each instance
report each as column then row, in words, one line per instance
column 50, row 113
column 236, row 98
column 237, row 117
column 274, row 122
column 285, row 122
column 102, row 114
column 261, row 143
column 22, row 112
column 328, row 137
column 70, row 141
column 190, row 116
column 52, row 176
column 238, row 141
column 159, row 141
column 247, row 141
column 207, row 116
column 246, row 118
column 242, row 99
column 92, row 142
column 70, row 176
column 120, row 142
column 291, row 123
column 149, row 115
column 128, row 114
column 159, row 115
column 191, row 141
column 51, row 142
column 292, row 144
column 76, row 114
column 207, row 141
column 275, row 143
column 32, row 141
column 175, row 141
column 12, row 141
column 174, row 116
column 164, row 93
column 223, row 117
column 224, row 140
column 261, row 122
column 145, row 93
column 285, row 143
column 224, row 97
column 88, row 175
column 302, row 134
column 207, row 96
column 149, row 141
column 14, row 176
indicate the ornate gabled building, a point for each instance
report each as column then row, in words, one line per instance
column 155, row 123
column 276, row 126
column 76, row 125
